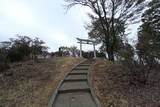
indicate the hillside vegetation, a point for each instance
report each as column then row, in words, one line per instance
column 113, row 88
column 30, row 84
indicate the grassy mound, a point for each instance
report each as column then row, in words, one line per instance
column 31, row 84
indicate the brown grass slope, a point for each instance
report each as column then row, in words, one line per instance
column 32, row 84
column 113, row 89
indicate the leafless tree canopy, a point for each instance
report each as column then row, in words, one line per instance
column 119, row 9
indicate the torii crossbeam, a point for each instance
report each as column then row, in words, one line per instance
column 86, row 41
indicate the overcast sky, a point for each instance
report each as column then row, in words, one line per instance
column 46, row 19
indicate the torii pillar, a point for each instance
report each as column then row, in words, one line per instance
column 94, row 50
column 80, row 48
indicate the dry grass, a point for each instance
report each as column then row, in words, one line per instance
column 32, row 84
column 113, row 89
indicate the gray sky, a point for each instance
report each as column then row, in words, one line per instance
column 46, row 19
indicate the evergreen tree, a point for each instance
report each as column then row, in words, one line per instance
column 149, row 34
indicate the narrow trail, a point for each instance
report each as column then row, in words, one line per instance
column 75, row 89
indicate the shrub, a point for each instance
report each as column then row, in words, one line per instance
column 3, row 60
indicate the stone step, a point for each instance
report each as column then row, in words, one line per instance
column 81, row 68
column 74, row 90
column 74, row 80
column 74, row 85
column 76, row 99
column 87, row 63
column 75, row 77
column 79, row 71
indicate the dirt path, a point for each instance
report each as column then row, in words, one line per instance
column 75, row 89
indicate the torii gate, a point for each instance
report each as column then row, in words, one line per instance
column 86, row 41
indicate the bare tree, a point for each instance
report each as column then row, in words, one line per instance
column 108, row 11
column 63, row 51
column 74, row 51
column 38, row 48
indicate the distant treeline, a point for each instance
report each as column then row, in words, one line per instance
column 75, row 52
column 21, row 48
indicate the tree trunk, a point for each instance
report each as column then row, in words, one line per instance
column 110, row 52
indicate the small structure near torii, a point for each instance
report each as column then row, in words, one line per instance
column 87, row 41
